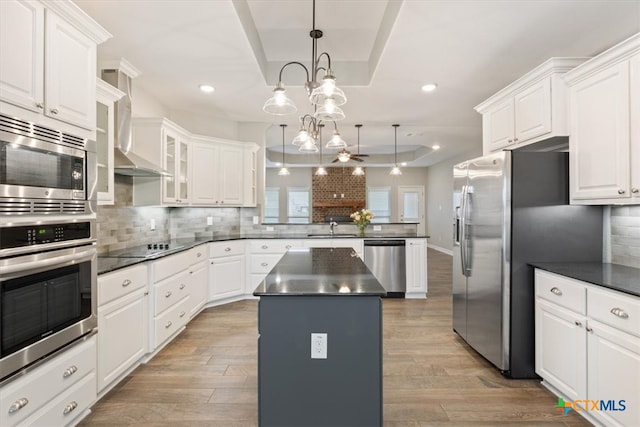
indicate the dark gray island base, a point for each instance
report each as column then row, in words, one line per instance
column 320, row 291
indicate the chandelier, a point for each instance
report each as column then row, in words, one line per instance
column 325, row 97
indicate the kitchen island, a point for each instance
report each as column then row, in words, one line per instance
column 320, row 341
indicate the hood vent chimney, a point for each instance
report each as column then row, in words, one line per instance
column 126, row 162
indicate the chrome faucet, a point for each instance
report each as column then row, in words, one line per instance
column 331, row 225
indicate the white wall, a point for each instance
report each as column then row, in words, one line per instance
column 440, row 200
column 143, row 104
column 205, row 124
column 379, row 177
column 299, row 178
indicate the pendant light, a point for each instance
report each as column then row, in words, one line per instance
column 358, row 171
column 321, row 171
column 395, row 170
column 283, row 170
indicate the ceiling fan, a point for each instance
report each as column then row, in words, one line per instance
column 344, row 155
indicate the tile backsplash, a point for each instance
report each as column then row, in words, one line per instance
column 625, row 235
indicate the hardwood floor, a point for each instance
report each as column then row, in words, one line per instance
column 208, row 375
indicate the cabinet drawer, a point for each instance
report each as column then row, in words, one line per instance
column 47, row 381
column 561, row 290
column 170, row 291
column 170, row 265
column 67, row 406
column 273, row 246
column 264, row 263
column 613, row 308
column 171, row 321
column 121, row 282
column 228, row 248
column 198, row 254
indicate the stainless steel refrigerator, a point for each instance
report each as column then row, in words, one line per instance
column 511, row 208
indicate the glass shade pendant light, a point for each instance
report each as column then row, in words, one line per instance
column 328, row 89
column 279, row 104
column 395, row 170
column 320, row 171
column 283, row 170
column 358, row 171
column 308, row 147
column 302, row 137
column 329, row 111
column 336, row 140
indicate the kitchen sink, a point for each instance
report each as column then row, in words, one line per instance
column 321, row 236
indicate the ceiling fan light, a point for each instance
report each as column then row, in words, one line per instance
column 329, row 111
column 336, row 141
column 343, row 156
column 279, row 104
column 358, row 171
column 284, row 171
column 308, row 147
column 321, row 171
column 395, row 171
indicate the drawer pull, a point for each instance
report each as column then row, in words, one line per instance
column 264, row 264
column 589, row 329
column 635, row 190
column 126, row 283
column 288, row 247
column 227, row 249
column 556, row 291
column 18, row 404
column 578, row 323
column 168, row 294
column 70, row 407
column 199, row 255
column 265, row 247
column 182, row 313
column 53, row 111
column 182, row 286
column 621, row 191
column 168, row 325
column 40, row 105
column 69, row 371
column 620, row 313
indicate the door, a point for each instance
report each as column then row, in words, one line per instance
column 485, row 219
column 459, row 279
column 411, row 206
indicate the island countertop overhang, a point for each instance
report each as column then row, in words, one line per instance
column 320, row 272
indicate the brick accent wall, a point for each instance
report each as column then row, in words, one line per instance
column 338, row 186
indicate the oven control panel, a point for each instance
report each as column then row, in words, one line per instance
column 29, row 235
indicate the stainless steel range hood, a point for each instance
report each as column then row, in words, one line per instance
column 125, row 161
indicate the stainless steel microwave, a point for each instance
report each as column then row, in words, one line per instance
column 44, row 171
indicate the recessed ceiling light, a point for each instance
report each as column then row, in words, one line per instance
column 435, row 147
column 206, row 88
column 403, row 164
column 429, row 87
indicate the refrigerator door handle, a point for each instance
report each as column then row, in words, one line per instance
column 463, row 238
column 465, row 245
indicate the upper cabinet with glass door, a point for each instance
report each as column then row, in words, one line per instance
column 106, row 97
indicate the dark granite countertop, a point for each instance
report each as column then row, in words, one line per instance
column 320, row 271
column 613, row 276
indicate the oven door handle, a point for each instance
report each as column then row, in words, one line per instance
column 48, row 262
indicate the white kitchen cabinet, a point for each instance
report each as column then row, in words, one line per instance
column 48, row 64
column 250, row 170
column 264, row 255
column 226, row 269
column 217, row 173
column 416, row 268
column 529, row 110
column 588, row 346
column 122, row 323
column 175, row 188
column 58, row 392
column 199, row 272
column 604, row 98
column 353, row 243
column 106, row 97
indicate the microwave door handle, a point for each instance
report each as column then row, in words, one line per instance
column 48, row 262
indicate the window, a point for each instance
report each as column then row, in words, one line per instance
column 379, row 202
column 298, row 205
column 271, row 205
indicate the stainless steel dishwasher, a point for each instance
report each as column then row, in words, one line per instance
column 387, row 261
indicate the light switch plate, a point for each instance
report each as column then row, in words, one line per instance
column 269, row 228
column 318, row 345
column 209, row 220
column 377, row 228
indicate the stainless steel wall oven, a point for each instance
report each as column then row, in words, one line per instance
column 48, row 280
column 45, row 171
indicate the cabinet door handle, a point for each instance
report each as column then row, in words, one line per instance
column 556, row 291
column 227, row 249
column 53, row 111
column 126, row 283
column 515, row 139
column 168, row 294
column 18, row 404
column 264, row 264
column 199, row 255
column 635, row 190
column 182, row 285
column 621, row 191
column 589, row 329
column 40, row 105
column 182, row 313
column 510, row 140
column 168, row 325
column 69, row 371
column 288, row 247
column 578, row 323
column 265, row 247
column 620, row 313
column 70, row 407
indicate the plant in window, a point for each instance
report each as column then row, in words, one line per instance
column 362, row 218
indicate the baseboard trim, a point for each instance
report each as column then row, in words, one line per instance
column 440, row 249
